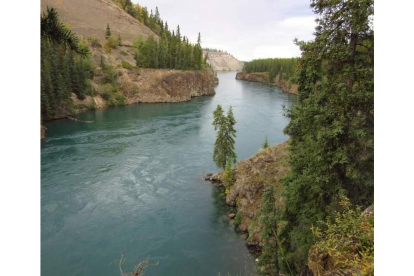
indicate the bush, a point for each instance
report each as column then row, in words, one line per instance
column 126, row 65
column 228, row 175
column 119, row 98
column 112, row 41
column 238, row 218
column 122, row 52
column 346, row 246
column 94, row 42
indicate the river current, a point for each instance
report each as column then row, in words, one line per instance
column 132, row 183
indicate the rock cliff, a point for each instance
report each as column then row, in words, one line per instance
column 263, row 77
column 268, row 167
column 221, row 61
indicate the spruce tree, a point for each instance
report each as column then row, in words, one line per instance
column 265, row 143
column 224, row 146
column 108, row 31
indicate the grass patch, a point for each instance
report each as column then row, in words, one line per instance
column 126, row 65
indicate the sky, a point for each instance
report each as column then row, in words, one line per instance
column 247, row 29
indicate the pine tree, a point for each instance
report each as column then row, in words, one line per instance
column 108, row 31
column 224, row 146
column 265, row 143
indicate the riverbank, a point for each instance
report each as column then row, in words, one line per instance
column 263, row 77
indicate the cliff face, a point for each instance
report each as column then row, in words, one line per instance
column 263, row 77
column 153, row 86
column 221, row 61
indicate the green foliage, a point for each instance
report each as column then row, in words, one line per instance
column 284, row 67
column 265, row 143
column 332, row 127
column 238, row 218
column 62, row 72
column 224, row 146
column 268, row 260
column 122, row 52
column 126, row 65
column 169, row 52
column 119, row 98
column 346, row 246
column 111, row 42
column 228, row 174
column 56, row 32
column 108, row 31
column 94, row 42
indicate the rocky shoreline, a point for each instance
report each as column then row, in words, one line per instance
column 263, row 77
column 251, row 176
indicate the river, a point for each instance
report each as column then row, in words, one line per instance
column 132, row 183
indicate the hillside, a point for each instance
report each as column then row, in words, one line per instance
column 89, row 18
column 221, row 61
column 109, row 75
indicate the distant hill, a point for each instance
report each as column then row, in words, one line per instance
column 223, row 61
column 90, row 17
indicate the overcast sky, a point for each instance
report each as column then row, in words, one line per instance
column 248, row 29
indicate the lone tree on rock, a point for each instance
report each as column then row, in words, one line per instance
column 224, row 146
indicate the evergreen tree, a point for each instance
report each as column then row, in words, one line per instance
column 224, row 146
column 108, row 31
column 119, row 40
column 269, row 258
column 332, row 127
column 265, row 143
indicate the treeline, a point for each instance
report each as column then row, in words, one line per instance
column 64, row 69
column 171, row 51
column 151, row 20
column 284, row 67
column 214, row 50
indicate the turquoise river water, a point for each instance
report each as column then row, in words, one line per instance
column 132, row 183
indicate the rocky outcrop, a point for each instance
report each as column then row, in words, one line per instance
column 251, row 177
column 222, row 61
column 263, row 77
column 153, row 86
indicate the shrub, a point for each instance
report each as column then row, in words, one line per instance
column 126, row 65
column 94, row 42
column 119, row 98
column 122, row 52
column 228, row 174
column 112, row 41
column 346, row 246
column 238, row 218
